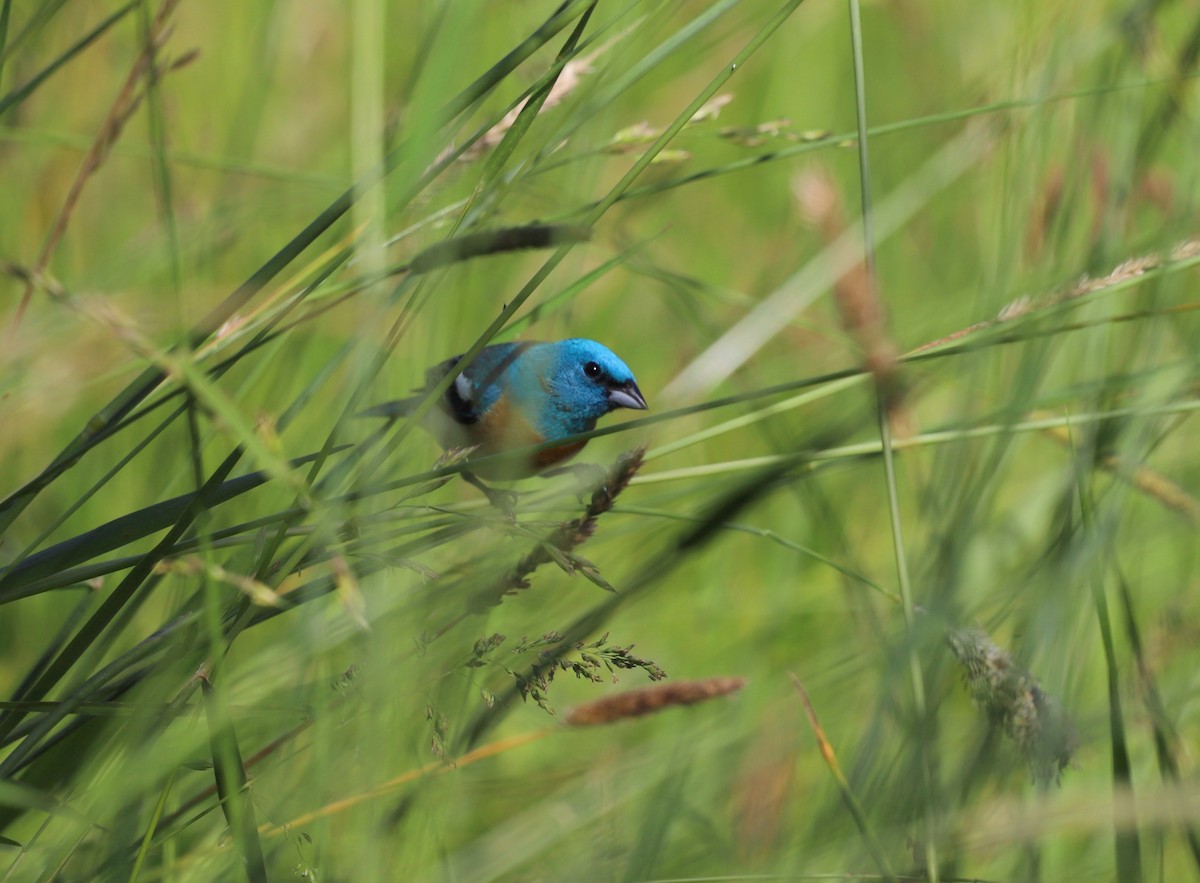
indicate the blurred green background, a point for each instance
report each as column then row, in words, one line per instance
column 318, row 635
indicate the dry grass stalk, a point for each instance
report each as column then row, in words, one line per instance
column 647, row 700
column 122, row 109
column 568, row 81
column 835, row 768
column 258, row 592
column 1142, row 477
column 1123, row 272
column 1145, row 479
column 398, row 782
column 1154, row 484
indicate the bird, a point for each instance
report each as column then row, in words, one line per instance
column 515, row 395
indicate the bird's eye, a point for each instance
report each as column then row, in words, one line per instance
column 592, row 370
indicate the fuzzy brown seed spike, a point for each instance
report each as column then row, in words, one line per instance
column 617, row 480
column 863, row 314
column 647, row 700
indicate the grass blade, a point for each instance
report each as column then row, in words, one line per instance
column 230, row 773
column 852, row 804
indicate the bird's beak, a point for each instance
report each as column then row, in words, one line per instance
column 627, row 395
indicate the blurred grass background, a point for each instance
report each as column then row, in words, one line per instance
column 325, row 636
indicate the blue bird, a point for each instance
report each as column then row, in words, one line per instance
column 514, row 395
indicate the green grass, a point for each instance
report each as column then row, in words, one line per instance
column 910, row 290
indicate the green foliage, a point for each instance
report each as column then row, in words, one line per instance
column 909, row 289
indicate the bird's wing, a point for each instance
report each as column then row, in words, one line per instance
column 463, row 401
column 468, row 398
column 479, row 385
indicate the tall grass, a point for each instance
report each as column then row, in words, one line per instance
column 910, row 290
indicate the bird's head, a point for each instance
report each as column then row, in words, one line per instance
column 590, row 380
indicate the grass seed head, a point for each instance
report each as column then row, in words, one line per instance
column 647, row 700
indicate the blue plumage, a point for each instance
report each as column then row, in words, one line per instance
column 513, row 395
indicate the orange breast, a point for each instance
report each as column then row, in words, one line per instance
column 504, row 428
column 553, row 456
